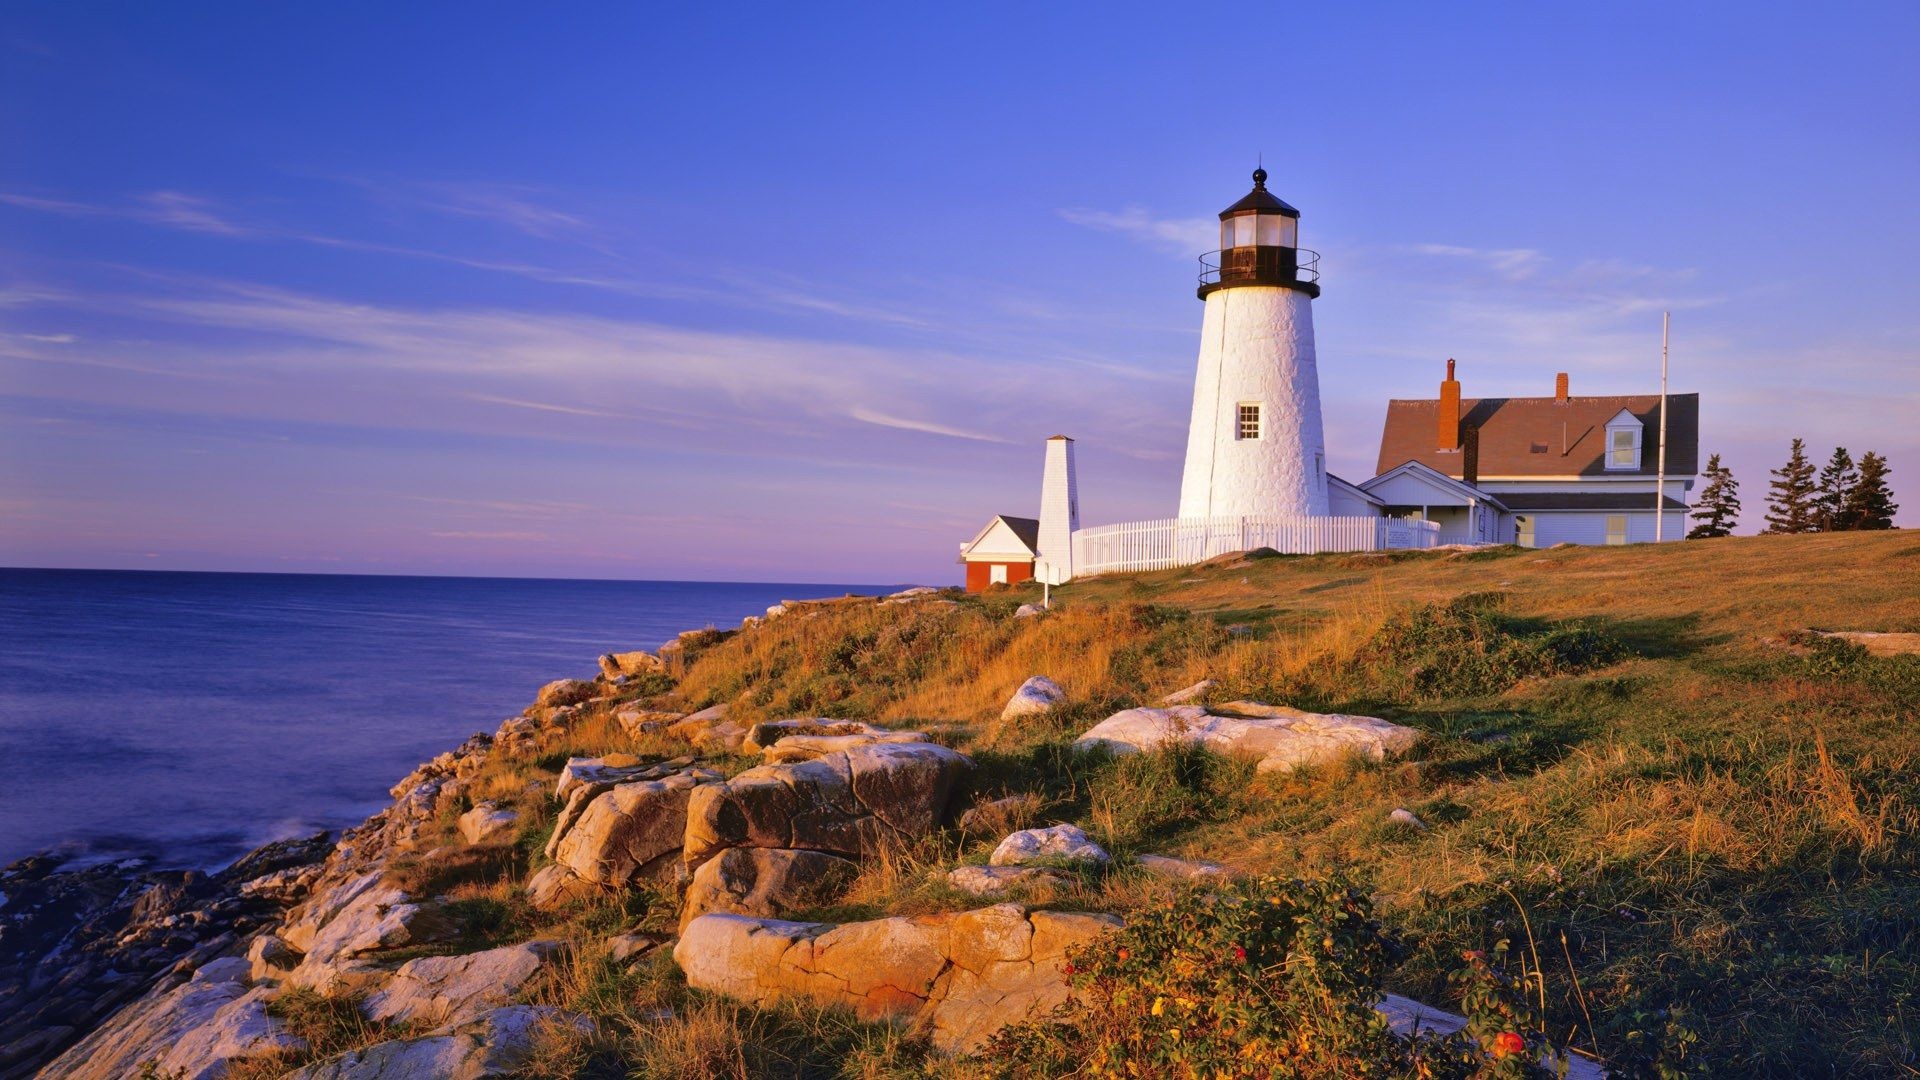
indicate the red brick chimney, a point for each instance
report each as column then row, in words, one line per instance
column 1560, row 388
column 1449, row 431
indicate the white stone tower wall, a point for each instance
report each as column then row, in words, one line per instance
column 1059, row 513
column 1256, row 344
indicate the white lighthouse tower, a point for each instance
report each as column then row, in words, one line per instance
column 1255, row 444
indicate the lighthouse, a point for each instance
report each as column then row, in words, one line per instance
column 1255, row 444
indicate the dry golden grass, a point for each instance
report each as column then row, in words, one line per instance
column 1715, row 821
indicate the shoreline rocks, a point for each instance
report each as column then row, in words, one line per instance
column 77, row 946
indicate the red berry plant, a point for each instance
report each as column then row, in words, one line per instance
column 1267, row 978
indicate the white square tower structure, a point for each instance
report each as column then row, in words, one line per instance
column 1255, row 444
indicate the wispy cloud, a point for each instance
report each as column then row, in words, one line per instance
column 869, row 416
column 190, row 213
column 168, row 209
column 516, row 208
column 1513, row 264
column 1187, row 236
column 542, row 406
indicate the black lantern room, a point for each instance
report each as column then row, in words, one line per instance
column 1260, row 245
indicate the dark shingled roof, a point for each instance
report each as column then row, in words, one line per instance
column 1539, row 436
column 1519, row 501
column 1027, row 529
column 1260, row 199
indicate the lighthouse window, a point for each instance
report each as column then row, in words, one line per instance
column 1249, row 419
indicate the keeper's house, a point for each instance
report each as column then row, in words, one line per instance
column 1537, row 471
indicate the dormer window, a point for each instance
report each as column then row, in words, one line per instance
column 1623, row 442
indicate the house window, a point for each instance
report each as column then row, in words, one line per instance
column 997, row 574
column 1616, row 528
column 1523, row 531
column 1249, row 420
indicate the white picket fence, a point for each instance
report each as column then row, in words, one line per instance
column 1157, row 545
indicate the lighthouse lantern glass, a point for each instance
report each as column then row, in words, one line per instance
column 1276, row 231
column 1263, row 230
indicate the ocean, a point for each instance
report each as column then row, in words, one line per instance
column 186, row 718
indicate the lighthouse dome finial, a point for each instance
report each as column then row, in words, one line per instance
column 1260, row 178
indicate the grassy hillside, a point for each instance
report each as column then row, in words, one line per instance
column 1629, row 754
column 1698, row 823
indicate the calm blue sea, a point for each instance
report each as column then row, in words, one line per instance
column 191, row 717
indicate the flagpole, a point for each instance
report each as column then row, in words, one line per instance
column 1660, row 481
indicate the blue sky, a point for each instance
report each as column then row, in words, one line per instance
column 795, row 293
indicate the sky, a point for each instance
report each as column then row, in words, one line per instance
column 797, row 292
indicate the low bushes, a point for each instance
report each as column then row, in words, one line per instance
column 1267, row 978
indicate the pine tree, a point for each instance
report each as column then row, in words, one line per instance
column 1870, row 502
column 1719, row 503
column 1830, row 501
column 1790, row 495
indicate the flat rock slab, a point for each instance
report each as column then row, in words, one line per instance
column 1279, row 738
column 960, row 976
column 1191, row 694
column 994, row 880
column 193, row 1031
column 1181, row 869
column 850, row 803
column 437, row 990
column 496, row 1045
column 610, row 769
column 1056, row 845
column 804, row 739
column 1876, row 643
column 1407, row 1017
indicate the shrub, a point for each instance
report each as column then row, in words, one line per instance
column 1266, row 978
column 1468, row 647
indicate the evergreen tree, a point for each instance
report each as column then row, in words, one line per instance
column 1870, row 502
column 1719, row 503
column 1830, row 501
column 1790, row 495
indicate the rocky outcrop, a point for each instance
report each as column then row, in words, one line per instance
column 765, row 882
column 488, row 823
column 1058, row 845
column 561, row 692
column 709, row 731
column 1036, row 697
column 636, row 722
column 339, row 933
column 1279, row 738
column 191, row 1032
column 849, row 803
column 960, row 977
column 443, row 990
column 628, row 832
column 496, row 1045
column 625, row 664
